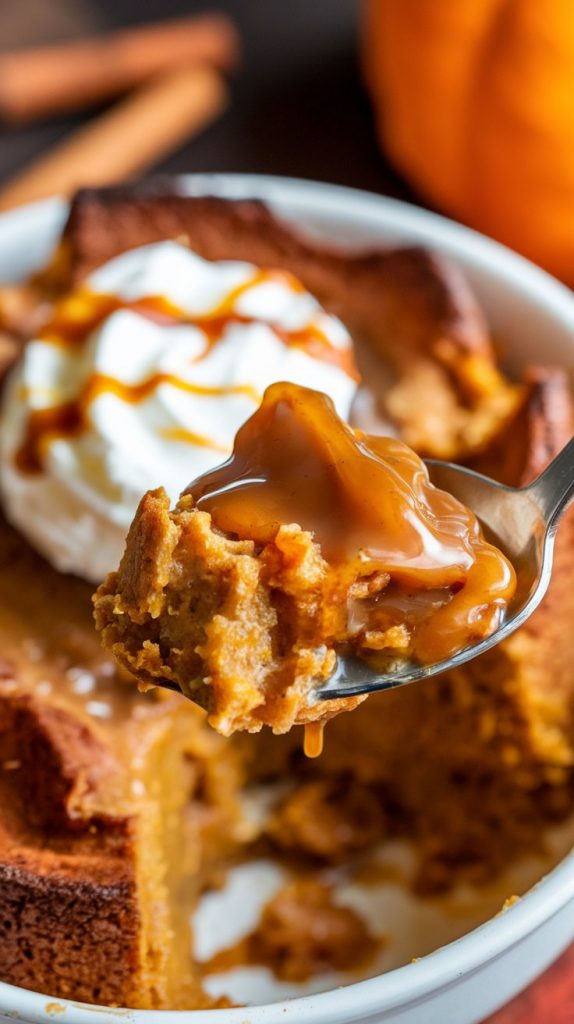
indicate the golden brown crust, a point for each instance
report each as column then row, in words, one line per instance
column 105, row 222
column 540, row 425
column 65, row 772
column 84, row 908
column 63, row 937
column 409, row 295
column 69, row 916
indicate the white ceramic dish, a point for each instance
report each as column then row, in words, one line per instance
column 470, row 978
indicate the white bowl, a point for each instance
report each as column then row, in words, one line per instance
column 534, row 315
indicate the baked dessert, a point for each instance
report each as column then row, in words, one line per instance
column 471, row 769
column 107, row 808
column 309, row 542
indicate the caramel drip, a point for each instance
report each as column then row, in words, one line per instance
column 313, row 739
column 190, row 437
column 370, row 505
column 77, row 316
column 43, row 426
column 70, row 419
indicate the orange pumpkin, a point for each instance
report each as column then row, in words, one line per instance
column 475, row 105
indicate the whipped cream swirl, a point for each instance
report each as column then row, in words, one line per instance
column 143, row 378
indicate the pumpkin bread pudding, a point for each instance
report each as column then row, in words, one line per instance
column 119, row 809
column 309, row 542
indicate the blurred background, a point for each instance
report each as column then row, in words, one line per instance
column 472, row 102
column 297, row 106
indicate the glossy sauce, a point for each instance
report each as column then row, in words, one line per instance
column 313, row 739
column 369, row 503
column 78, row 315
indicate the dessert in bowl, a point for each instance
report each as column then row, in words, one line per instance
column 117, row 818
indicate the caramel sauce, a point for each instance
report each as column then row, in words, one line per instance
column 313, row 739
column 81, row 313
column 71, row 419
column 78, row 315
column 191, row 437
column 370, row 505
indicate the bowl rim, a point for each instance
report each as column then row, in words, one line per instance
column 438, row 970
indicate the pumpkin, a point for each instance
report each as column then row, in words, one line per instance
column 475, row 106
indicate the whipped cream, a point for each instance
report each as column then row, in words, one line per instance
column 152, row 393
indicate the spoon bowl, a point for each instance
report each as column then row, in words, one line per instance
column 522, row 522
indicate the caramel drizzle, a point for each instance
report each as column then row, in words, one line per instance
column 70, row 419
column 78, row 316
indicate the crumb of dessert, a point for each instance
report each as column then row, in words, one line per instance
column 308, row 541
column 511, row 901
column 191, row 607
column 328, row 819
column 303, row 932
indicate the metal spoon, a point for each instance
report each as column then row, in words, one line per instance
column 522, row 522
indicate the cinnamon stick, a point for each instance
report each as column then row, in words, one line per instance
column 70, row 76
column 130, row 137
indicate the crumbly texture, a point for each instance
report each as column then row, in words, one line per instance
column 246, row 634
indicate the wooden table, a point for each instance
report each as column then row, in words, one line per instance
column 298, row 109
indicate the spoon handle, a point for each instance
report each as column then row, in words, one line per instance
column 553, row 490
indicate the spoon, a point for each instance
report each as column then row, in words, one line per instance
column 522, row 522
